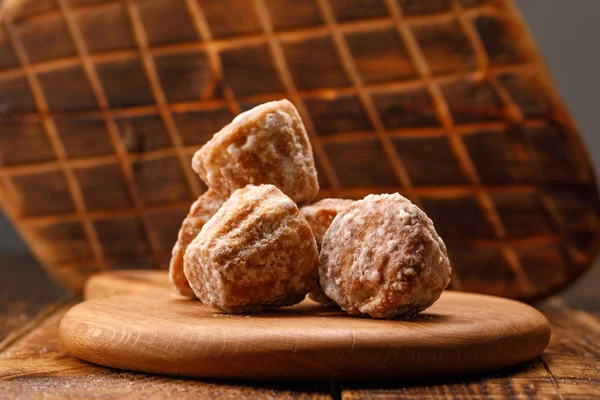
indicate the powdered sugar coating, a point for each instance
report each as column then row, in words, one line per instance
column 257, row 252
column 382, row 257
column 265, row 145
column 200, row 212
column 319, row 216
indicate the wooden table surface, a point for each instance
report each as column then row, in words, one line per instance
column 33, row 364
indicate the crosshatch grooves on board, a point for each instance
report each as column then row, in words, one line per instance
column 473, row 128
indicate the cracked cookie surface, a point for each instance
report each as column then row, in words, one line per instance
column 319, row 216
column 382, row 257
column 265, row 145
column 200, row 212
column 256, row 253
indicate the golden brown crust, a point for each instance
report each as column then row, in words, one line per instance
column 200, row 212
column 319, row 216
column 257, row 252
column 265, row 145
column 382, row 257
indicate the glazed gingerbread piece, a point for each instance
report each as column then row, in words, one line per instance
column 382, row 257
column 200, row 212
column 319, row 216
column 265, row 145
column 256, row 253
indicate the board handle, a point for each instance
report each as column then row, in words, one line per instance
column 8, row 7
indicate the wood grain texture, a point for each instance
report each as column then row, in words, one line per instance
column 569, row 368
column 573, row 354
column 447, row 102
column 461, row 334
column 35, row 366
column 38, row 367
column 26, row 295
column 141, row 282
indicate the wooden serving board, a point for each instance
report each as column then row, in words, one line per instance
column 149, row 330
column 142, row 283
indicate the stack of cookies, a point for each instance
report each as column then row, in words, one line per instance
column 245, row 246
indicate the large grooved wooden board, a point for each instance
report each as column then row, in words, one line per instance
column 448, row 102
column 150, row 331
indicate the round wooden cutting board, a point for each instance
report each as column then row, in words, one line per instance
column 148, row 330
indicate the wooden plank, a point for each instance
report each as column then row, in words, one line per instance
column 33, row 364
column 568, row 368
column 573, row 355
column 578, row 389
column 37, row 366
column 478, row 390
column 529, row 381
column 25, row 292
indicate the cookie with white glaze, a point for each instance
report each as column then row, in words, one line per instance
column 256, row 253
column 319, row 216
column 265, row 145
column 200, row 212
column 382, row 257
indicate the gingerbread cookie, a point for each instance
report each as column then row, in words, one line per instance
column 256, row 253
column 200, row 212
column 265, row 145
column 319, row 216
column 382, row 257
